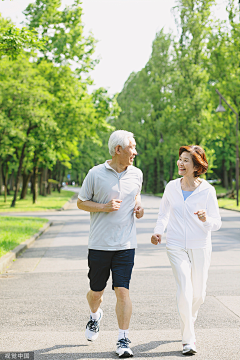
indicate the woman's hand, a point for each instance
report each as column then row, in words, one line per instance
column 201, row 215
column 156, row 238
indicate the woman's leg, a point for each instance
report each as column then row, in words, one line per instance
column 200, row 259
column 181, row 266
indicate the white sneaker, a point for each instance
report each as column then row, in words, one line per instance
column 189, row 349
column 123, row 349
column 92, row 328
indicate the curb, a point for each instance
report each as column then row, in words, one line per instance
column 220, row 207
column 67, row 204
column 6, row 260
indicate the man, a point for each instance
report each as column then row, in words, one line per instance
column 111, row 193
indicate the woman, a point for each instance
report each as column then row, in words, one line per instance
column 190, row 211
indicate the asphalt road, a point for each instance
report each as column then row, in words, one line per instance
column 43, row 305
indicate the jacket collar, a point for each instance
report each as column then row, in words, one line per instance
column 203, row 186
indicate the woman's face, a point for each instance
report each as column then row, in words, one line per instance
column 185, row 165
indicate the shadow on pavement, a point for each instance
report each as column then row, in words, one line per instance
column 140, row 351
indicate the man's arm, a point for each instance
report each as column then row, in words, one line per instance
column 138, row 210
column 92, row 206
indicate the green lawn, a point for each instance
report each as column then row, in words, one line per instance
column 230, row 204
column 15, row 230
column 220, row 189
column 54, row 201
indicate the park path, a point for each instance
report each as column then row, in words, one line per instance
column 43, row 303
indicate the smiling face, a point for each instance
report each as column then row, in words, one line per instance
column 127, row 155
column 185, row 165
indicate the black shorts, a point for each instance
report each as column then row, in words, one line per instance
column 100, row 262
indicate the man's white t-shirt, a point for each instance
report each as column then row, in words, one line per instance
column 115, row 230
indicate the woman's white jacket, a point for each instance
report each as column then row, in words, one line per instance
column 184, row 229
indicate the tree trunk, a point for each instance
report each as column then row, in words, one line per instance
column 44, row 182
column 225, row 174
column 5, row 180
column 35, row 184
column 49, row 188
column 11, row 183
column 6, row 183
column 230, row 176
column 41, row 183
column 18, row 174
column 26, row 178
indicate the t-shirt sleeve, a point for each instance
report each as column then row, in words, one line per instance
column 87, row 190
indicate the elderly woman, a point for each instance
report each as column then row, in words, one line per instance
column 189, row 210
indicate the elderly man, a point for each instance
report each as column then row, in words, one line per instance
column 111, row 193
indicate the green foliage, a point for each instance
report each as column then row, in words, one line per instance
column 14, row 41
column 171, row 102
column 46, row 112
column 63, row 31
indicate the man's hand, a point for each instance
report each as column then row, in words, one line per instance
column 139, row 211
column 156, row 238
column 113, row 205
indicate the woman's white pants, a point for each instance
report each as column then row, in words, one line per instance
column 190, row 269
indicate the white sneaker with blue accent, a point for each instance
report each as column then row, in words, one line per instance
column 92, row 328
column 123, row 349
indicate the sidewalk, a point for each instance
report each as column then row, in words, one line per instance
column 43, row 296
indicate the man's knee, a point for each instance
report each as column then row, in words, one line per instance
column 95, row 295
column 121, row 293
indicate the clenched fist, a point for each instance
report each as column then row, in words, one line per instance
column 156, row 239
column 138, row 210
column 113, row 205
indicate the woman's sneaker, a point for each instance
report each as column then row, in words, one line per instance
column 123, row 349
column 189, row 349
column 92, row 328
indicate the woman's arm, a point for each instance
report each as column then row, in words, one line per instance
column 213, row 220
column 163, row 215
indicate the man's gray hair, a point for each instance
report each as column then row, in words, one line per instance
column 119, row 137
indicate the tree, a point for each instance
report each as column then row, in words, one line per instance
column 14, row 41
column 63, row 31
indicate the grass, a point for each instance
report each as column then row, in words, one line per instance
column 220, row 189
column 54, row 201
column 14, row 231
column 230, row 204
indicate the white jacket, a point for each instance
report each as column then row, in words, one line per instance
column 184, row 229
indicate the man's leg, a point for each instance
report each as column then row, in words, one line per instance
column 122, row 265
column 99, row 263
column 123, row 307
column 94, row 299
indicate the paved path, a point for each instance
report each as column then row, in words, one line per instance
column 43, row 305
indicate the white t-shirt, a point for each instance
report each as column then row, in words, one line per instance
column 115, row 230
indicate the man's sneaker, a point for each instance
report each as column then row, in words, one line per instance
column 123, row 349
column 92, row 328
column 189, row 349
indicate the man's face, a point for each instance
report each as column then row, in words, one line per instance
column 128, row 154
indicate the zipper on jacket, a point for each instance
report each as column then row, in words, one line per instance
column 185, row 240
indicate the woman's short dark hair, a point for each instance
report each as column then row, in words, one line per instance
column 198, row 157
